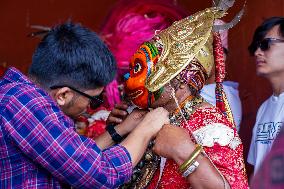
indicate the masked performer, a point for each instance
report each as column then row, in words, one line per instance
column 169, row 71
column 130, row 23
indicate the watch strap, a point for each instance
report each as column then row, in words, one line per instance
column 114, row 135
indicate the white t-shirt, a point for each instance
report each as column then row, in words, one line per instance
column 269, row 119
column 232, row 93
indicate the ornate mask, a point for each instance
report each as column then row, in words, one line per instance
column 140, row 67
column 186, row 45
column 158, row 61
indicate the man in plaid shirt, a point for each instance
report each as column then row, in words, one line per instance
column 39, row 147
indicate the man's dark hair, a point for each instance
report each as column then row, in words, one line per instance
column 263, row 29
column 72, row 55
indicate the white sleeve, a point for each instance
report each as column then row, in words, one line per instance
column 235, row 105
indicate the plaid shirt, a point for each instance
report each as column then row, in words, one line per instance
column 40, row 149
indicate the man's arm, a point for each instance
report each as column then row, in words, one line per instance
column 175, row 143
column 47, row 136
column 124, row 126
column 137, row 141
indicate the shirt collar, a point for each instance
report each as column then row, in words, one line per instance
column 14, row 75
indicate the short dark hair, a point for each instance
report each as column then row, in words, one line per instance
column 263, row 29
column 72, row 55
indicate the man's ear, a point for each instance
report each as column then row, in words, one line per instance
column 63, row 96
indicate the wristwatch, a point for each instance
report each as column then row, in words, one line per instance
column 114, row 135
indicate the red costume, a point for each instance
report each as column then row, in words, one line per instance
column 227, row 156
column 185, row 51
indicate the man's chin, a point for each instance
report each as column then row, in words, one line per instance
column 261, row 74
column 75, row 116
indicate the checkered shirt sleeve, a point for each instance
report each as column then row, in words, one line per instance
column 44, row 134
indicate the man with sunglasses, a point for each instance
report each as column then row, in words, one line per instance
column 268, row 49
column 39, row 147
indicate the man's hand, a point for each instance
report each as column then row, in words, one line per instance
column 174, row 143
column 126, row 126
column 153, row 122
column 118, row 114
column 137, row 141
column 131, row 121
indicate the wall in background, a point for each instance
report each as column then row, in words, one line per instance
column 17, row 17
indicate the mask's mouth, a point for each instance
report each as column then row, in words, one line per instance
column 133, row 94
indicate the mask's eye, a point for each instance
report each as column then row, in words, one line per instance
column 137, row 68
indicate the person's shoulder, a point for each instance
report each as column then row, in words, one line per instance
column 281, row 97
column 18, row 89
column 208, row 113
column 231, row 88
column 266, row 102
column 232, row 84
column 265, row 107
column 24, row 94
column 14, row 83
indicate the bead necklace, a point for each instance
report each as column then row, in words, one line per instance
column 145, row 169
column 185, row 109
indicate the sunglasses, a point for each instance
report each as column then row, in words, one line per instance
column 265, row 44
column 95, row 101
